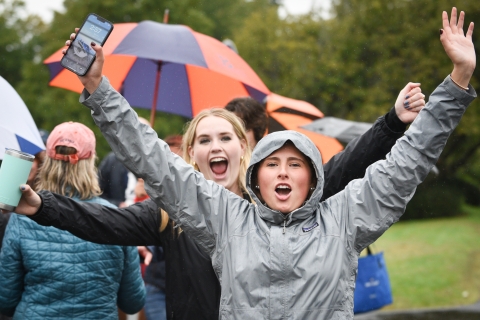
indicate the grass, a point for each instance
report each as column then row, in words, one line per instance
column 433, row 263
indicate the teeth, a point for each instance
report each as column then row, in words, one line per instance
column 218, row 160
column 283, row 187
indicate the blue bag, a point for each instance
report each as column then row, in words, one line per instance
column 372, row 288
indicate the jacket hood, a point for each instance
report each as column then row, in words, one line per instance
column 267, row 146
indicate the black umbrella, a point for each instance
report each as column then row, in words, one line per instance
column 343, row 130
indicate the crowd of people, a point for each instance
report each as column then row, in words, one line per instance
column 239, row 224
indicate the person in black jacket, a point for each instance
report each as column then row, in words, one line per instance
column 192, row 288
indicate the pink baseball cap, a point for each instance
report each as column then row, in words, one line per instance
column 71, row 134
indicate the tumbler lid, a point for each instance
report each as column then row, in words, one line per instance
column 19, row 154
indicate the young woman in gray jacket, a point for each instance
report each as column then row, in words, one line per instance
column 289, row 255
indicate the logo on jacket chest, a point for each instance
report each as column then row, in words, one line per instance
column 308, row 229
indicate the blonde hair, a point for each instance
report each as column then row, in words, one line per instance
column 238, row 128
column 80, row 179
column 189, row 138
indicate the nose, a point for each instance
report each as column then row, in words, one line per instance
column 282, row 173
column 215, row 146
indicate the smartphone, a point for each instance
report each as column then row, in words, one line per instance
column 80, row 55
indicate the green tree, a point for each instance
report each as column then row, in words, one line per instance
column 388, row 43
column 17, row 39
column 353, row 65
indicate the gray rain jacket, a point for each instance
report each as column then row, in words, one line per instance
column 298, row 266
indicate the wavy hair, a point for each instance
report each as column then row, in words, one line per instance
column 80, row 180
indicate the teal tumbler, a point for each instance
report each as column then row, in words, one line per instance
column 16, row 166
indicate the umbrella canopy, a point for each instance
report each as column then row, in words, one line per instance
column 290, row 114
column 343, row 130
column 170, row 67
column 17, row 128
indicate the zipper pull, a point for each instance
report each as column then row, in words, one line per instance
column 284, row 226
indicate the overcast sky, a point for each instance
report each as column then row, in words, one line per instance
column 44, row 8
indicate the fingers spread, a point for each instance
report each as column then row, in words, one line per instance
column 461, row 19
column 453, row 19
column 446, row 26
column 470, row 30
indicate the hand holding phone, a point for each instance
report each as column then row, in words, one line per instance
column 80, row 56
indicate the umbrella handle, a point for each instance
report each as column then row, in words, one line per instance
column 165, row 16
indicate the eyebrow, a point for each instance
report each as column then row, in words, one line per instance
column 209, row 135
column 288, row 159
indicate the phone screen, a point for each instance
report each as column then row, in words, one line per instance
column 80, row 55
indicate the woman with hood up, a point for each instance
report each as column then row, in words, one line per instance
column 289, row 255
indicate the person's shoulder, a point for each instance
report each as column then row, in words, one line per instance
column 101, row 201
column 20, row 219
column 110, row 157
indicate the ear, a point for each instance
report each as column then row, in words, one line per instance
column 243, row 145
column 190, row 151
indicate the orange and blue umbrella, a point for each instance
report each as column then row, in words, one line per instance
column 169, row 67
column 291, row 114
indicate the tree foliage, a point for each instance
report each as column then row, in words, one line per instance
column 18, row 39
column 354, row 65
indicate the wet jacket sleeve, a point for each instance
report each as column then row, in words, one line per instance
column 197, row 205
column 370, row 205
column 361, row 152
column 11, row 269
column 131, row 293
column 136, row 225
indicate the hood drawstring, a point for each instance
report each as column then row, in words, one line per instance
column 284, row 225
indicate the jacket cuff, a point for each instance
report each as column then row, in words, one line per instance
column 383, row 124
column 393, row 123
column 41, row 215
column 95, row 99
column 464, row 96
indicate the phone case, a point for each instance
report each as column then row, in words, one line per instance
column 80, row 55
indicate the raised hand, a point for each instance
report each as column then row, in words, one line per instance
column 91, row 80
column 409, row 102
column 459, row 47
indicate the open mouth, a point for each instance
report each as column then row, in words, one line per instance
column 219, row 165
column 283, row 189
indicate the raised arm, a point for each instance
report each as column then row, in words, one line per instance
column 199, row 206
column 375, row 143
column 380, row 198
